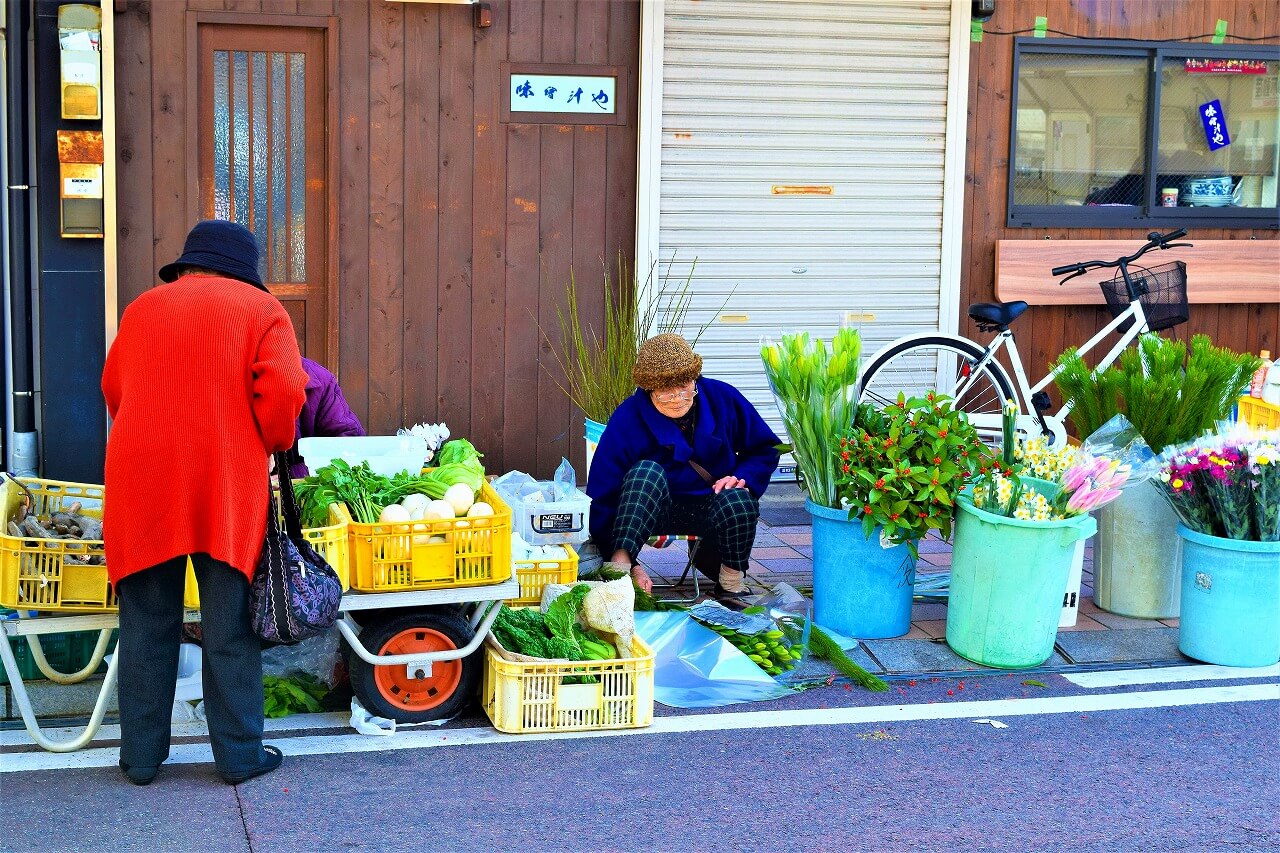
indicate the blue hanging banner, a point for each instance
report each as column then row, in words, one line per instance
column 1215, row 125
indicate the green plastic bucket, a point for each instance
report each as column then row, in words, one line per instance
column 1007, row 578
column 1230, row 600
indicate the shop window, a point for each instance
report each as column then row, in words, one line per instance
column 1123, row 134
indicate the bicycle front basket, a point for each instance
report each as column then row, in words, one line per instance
column 1162, row 291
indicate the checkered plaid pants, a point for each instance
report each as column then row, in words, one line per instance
column 725, row 522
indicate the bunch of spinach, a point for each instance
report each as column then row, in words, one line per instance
column 292, row 695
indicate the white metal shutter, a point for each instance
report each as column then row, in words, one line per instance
column 759, row 94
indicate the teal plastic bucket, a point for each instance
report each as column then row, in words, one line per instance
column 1007, row 578
column 859, row 588
column 1230, row 609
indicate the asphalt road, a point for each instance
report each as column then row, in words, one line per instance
column 1156, row 766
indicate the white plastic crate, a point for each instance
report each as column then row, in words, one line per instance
column 387, row 455
column 561, row 522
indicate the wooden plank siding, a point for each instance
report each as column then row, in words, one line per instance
column 1046, row 330
column 455, row 232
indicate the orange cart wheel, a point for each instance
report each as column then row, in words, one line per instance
column 389, row 690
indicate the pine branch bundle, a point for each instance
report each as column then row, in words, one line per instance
column 1177, row 397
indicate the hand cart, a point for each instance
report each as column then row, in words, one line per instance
column 414, row 656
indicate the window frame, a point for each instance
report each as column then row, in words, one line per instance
column 1149, row 213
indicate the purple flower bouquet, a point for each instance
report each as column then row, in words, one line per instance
column 1226, row 485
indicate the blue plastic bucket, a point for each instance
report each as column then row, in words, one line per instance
column 1007, row 578
column 1230, row 609
column 592, row 431
column 860, row 589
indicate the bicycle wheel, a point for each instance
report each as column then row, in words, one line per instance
column 938, row 363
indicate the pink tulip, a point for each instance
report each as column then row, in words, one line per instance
column 1074, row 478
column 1082, row 501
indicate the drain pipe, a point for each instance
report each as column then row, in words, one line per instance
column 22, row 443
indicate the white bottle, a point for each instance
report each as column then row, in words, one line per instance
column 1260, row 375
column 1271, row 388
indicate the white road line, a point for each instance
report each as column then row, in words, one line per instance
column 1169, row 674
column 348, row 743
column 294, row 722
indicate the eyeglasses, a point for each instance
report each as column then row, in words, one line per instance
column 672, row 396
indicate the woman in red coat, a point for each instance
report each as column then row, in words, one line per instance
column 203, row 383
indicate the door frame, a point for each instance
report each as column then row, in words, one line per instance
column 329, row 26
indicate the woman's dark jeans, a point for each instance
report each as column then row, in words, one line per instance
column 151, row 611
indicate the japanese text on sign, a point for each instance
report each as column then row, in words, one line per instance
column 559, row 93
column 1215, row 125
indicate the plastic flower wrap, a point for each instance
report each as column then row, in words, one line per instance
column 1227, row 484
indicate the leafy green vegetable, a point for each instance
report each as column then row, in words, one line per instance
column 593, row 647
column 645, row 602
column 524, row 631
column 366, row 493
column 292, row 694
column 562, row 614
column 457, row 451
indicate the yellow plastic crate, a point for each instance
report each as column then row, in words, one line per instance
column 521, row 697
column 534, row 575
column 432, row 554
column 51, row 574
column 329, row 541
column 1258, row 413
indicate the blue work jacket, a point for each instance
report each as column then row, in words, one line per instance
column 729, row 437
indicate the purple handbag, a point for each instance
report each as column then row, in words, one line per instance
column 295, row 594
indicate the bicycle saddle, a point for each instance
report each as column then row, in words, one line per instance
column 996, row 315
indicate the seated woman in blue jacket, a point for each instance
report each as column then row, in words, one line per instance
column 683, row 454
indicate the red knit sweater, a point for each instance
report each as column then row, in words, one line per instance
column 203, row 382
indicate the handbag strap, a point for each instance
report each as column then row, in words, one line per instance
column 703, row 473
column 288, row 503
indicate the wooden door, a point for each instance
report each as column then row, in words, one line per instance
column 261, row 136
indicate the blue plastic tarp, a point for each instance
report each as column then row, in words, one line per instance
column 697, row 668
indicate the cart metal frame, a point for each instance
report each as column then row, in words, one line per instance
column 485, row 603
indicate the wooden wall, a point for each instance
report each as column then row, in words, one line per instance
column 1046, row 330
column 455, row 232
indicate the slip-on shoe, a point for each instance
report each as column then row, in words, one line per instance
column 271, row 762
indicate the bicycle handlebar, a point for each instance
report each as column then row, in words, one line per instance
column 1155, row 240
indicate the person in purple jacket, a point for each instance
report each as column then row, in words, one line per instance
column 683, row 454
column 325, row 413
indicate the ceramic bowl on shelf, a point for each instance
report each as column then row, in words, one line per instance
column 1206, row 187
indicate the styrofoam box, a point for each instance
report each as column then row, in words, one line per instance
column 387, row 455
column 552, row 522
column 190, row 684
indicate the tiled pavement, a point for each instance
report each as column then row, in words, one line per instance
column 785, row 553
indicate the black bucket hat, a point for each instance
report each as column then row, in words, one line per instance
column 221, row 246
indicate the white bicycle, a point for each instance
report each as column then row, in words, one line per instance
column 1140, row 300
